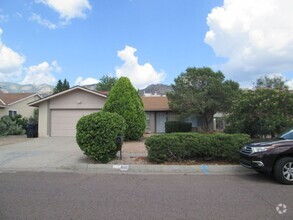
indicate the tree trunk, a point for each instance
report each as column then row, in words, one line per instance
column 208, row 122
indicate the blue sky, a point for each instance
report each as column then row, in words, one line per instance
column 149, row 41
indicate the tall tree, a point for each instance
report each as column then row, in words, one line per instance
column 61, row 86
column 266, row 82
column 125, row 100
column 261, row 112
column 202, row 92
column 106, row 83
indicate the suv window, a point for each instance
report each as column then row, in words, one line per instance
column 288, row 135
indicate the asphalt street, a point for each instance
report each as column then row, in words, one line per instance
column 44, row 195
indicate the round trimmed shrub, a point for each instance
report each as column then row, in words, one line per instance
column 96, row 135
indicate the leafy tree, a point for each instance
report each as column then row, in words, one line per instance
column 261, row 112
column 106, row 83
column 61, row 86
column 266, row 82
column 202, row 92
column 125, row 101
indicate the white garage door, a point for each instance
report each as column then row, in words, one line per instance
column 63, row 122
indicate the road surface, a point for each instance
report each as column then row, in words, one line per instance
column 43, row 195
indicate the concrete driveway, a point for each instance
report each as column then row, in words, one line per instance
column 42, row 154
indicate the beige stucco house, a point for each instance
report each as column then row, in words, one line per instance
column 17, row 103
column 59, row 113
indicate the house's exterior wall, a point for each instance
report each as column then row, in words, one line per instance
column 43, row 125
column 3, row 112
column 77, row 100
column 152, row 118
column 171, row 116
column 150, row 122
column 21, row 107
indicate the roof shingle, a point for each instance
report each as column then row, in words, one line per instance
column 159, row 103
column 8, row 98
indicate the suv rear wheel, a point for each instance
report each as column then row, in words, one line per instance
column 283, row 170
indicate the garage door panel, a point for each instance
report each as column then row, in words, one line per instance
column 63, row 122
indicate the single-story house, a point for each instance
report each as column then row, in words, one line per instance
column 59, row 113
column 17, row 103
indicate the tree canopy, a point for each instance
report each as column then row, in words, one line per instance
column 266, row 82
column 61, row 86
column 261, row 112
column 202, row 92
column 106, row 83
column 125, row 100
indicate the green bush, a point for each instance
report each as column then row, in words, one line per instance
column 96, row 135
column 186, row 146
column 22, row 121
column 10, row 127
column 177, row 126
column 125, row 101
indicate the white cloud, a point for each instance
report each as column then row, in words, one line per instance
column 88, row 81
column 43, row 22
column 10, row 63
column 139, row 75
column 68, row 9
column 41, row 73
column 289, row 83
column 255, row 36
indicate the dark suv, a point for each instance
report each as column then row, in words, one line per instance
column 274, row 156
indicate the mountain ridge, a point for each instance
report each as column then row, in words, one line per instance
column 7, row 87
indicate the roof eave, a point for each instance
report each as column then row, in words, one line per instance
column 20, row 100
column 158, row 110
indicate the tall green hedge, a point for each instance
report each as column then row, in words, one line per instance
column 185, row 146
column 96, row 135
column 125, row 101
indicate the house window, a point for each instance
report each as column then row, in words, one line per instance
column 12, row 113
column 148, row 121
column 193, row 120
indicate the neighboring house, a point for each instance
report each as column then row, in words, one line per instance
column 17, row 103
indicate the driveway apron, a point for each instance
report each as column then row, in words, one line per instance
column 40, row 153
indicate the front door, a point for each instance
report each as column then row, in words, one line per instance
column 161, row 118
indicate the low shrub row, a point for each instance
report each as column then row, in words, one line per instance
column 186, row 146
column 177, row 126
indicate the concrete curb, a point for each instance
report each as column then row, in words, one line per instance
column 140, row 169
